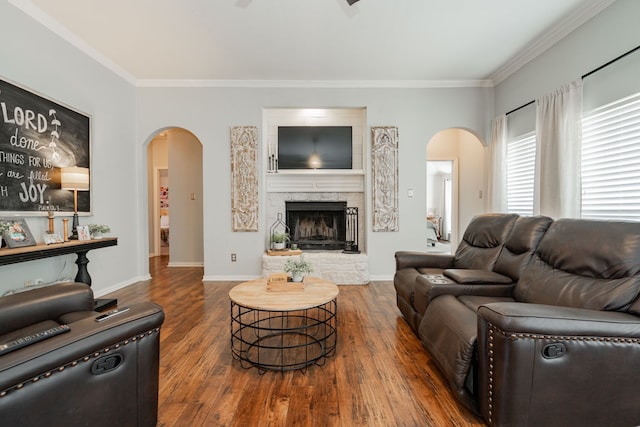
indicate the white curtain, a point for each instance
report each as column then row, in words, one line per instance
column 497, row 197
column 558, row 152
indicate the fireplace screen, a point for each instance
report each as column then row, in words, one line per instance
column 317, row 225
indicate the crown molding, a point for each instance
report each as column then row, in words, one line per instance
column 335, row 84
column 559, row 31
column 56, row 27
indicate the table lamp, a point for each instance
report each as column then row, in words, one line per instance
column 76, row 179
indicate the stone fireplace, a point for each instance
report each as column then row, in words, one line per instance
column 330, row 264
column 317, row 225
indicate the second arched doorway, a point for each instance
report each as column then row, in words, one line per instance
column 455, row 185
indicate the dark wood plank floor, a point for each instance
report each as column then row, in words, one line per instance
column 380, row 376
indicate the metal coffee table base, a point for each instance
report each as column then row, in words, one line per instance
column 283, row 340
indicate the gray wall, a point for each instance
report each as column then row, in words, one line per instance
column 32, row 56
column 209, row 113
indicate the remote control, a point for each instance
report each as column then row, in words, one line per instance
column 111, row 314
column 30, row 339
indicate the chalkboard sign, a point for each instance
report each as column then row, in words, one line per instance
column 38, row 137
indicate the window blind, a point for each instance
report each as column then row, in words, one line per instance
column 521, row 156
column 611, row 161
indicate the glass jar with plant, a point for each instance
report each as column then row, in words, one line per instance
column 298, row 267
column 279, row 240
column 97, row 230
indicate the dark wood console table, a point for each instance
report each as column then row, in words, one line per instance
column 78, row 247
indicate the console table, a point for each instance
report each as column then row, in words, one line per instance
column 78, row 247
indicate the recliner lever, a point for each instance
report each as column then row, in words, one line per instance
column 554, row 350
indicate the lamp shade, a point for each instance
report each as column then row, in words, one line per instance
column 74, row 178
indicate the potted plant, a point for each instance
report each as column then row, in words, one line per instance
column 298, row 267
column 279, row 240
column 97, row 230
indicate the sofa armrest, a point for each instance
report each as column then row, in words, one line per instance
column 533, row 359
column 407, row 259
column 47, row 303
column 86, row 337
column 98, row 373
column 468, row 276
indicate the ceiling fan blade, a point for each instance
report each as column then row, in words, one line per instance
column 351, row 2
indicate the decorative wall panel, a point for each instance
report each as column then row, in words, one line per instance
column 244, row 178
column 384, row 165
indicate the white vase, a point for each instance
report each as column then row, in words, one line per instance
column 297, row 276
column 278, row 245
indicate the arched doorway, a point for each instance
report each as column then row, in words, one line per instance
column 455, row 185
column 174, row 165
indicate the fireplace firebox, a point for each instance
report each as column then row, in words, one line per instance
column 317, row 225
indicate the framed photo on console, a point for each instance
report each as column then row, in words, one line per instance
column 18, row 233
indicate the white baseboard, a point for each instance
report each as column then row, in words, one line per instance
column 229, row 278
column 121, row 285
column 185, row 264
column 381, row 278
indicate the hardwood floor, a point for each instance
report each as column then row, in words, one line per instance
column 380, row 375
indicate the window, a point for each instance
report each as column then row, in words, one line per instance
column 611, row 161
column 521, row 156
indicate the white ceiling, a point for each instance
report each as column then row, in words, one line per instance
column 382, row 42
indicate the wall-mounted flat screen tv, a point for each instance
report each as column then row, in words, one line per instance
column 314, row 147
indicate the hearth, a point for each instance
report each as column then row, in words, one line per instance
column 317, row 224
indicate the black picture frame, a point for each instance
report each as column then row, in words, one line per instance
column 19, row 234
column 38, row 137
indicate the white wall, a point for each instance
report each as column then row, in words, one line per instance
column 35, row 58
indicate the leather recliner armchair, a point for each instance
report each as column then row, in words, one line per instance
column 97, row 373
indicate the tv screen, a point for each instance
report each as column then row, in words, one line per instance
column 314, row 147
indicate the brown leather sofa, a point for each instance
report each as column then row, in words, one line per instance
column 560, row 345
column 98, row 373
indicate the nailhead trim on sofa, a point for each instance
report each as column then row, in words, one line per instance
column 77, row 362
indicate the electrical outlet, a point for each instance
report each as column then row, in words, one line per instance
column 28, row 283
column 233, row 258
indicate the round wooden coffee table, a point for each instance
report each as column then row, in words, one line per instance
column 283, row 330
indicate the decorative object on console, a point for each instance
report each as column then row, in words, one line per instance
column 76, row 179
column 244, row 181
column 16, row 232
column 51, row 238
column 384, row 165
column 83, row 232
column 4, row 226
column 298, row 267
column 98, row 230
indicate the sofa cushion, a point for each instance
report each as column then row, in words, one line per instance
column 449, row 332
column 585, row 264
column 521, row 244
column 483, row 240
